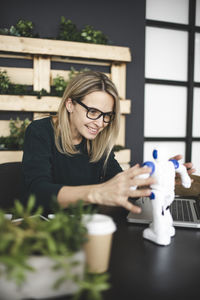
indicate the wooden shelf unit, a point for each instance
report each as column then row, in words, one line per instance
column 42, row 52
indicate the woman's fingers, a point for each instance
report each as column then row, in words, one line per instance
column 131, row 207
column 137, row 170
column 137, row 181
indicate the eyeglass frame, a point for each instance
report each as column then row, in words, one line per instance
column 110, row 114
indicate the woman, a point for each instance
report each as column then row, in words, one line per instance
column 69, row 156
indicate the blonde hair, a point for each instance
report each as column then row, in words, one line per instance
column 81, row 85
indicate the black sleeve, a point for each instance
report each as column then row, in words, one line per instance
column 112, row 168
column 37, row 166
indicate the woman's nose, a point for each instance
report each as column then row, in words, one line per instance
column 99, row 121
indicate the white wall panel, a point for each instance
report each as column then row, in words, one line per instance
column 171, row 148
column 167, row 10
column 196, row 113
column 196, row 156
column 166, row 54
column 165, row 111
column 197, row 13
column 197, row 58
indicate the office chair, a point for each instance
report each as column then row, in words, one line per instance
column 10, row 184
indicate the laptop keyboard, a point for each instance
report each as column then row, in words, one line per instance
column 181, row 211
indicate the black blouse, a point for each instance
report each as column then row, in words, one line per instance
column 46, row 170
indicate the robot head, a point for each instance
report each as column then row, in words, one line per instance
column 160, row 154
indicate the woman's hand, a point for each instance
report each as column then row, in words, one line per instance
column 189, row 167
column 116, row 191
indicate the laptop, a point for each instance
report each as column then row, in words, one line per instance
column 185, row 212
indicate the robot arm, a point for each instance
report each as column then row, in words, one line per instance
column 181, row 169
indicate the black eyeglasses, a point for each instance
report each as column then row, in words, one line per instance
column 94, row 113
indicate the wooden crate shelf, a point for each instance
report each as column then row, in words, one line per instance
column 43, row 52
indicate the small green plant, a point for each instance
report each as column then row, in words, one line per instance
column 60, row 84
column 68, row 31
column 92, row 286
column 90, row 35
column 58, row 238
column 4, row 82
column 8, row 88
column 21, row 28
column 16, row 138
column 61, row 236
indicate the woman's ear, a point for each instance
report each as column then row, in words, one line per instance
column 69, row 105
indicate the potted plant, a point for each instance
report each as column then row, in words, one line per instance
column 41, row 257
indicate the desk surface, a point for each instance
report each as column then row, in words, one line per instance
column 141, row 270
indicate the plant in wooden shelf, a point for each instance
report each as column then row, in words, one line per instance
column 43, row 257
column 90, row 35
column 68, row 31
column 15, row 140
column 21, row 28
column 59, row 83
column 8, row 88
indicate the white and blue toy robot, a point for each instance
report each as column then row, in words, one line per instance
column 164, row 170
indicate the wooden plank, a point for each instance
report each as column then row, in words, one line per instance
column 41, row 73
column 125, row 166
column 29, row 103
column 80, row 61
column 4, row 128
column 123, row 156
column 19, row 75
column 37, row 116
column 64, row 48
column 125, row 106
column 121, row 136
column 10, row 156
column 16, row 56
column 118, row 76
column 45, row 104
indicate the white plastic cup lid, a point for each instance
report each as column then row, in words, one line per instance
column 99, row 224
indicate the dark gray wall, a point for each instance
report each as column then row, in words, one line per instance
column 122, row 21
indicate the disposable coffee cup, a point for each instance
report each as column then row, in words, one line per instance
column 98, row 247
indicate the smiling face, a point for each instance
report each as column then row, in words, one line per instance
column 81, row 125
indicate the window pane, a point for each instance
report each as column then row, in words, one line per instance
column 196, row 113
column 171, row 148
column 197, row 58
column 196, row 156
column 197, row 12
column 165, row 111
column 166, row 54
column 167, row 10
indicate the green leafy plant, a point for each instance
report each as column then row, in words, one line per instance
column 21, row 28
column 16, row 138
column 90, row 35
column 7, row 87
column 4, row 82
column 59, row 83
column 92, row 286
column 58, row 238
column 68, row 31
